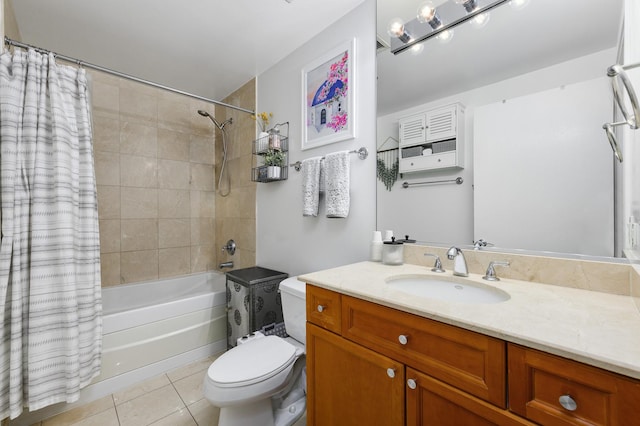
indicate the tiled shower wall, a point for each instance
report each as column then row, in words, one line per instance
column 154, row 158
column 236, row 213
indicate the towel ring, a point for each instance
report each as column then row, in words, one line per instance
column 614, row 72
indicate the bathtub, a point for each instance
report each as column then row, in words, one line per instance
column 151, row 328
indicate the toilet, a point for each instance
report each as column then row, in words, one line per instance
column 263, row 382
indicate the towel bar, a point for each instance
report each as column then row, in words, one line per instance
column 457, row 180
column 362, row 154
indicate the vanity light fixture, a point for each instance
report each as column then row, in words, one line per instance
column 441, row 21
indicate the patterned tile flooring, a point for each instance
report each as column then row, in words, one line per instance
column 172, row 399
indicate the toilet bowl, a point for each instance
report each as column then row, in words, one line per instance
column 262, row 382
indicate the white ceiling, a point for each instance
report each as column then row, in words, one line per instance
column 543, row 33
column 212, row 47
column 205, row 47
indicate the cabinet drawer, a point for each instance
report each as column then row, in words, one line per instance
column 537, row 381
column 323, row 308
column 431, row 402
column 427, row 162
column 470, row 361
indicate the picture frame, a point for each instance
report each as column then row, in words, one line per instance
column 328, row 97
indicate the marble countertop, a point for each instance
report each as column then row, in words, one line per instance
column 599, row 329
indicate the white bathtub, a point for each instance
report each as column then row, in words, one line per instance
column 151, row 328
column 171, row 322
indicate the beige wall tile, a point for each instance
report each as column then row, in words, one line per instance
column 110, row 269
column 202, row 258
column 108, row 202
column 138, row 106
column 174, row 115
column 201, row 149
column 203, row 204
column 141, row 172
column 138, row 203
column 106, row 134
column 203, row 231
column 173, row 174
column 107, row 166
column 173, row 145
column 139, row 234
column 138, row 139
column 174, row 233
column 109, row 235
column 105, row 97
column 174, row 261
column 202, row 177
column 139, row 265
column 174, row 203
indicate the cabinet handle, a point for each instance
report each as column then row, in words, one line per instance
column 568, row 403
column 391, row 372
column 412, row 384
column 321, row 308
column 403, row 339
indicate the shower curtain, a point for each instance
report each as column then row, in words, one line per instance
column 50, row 301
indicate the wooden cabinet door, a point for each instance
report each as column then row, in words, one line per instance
column 431, row 402
column 351, row 385
column 557, row 391
column 441, row 123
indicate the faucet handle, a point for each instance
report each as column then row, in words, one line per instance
column 478, row 245
column 490, row 275
column 437, row 267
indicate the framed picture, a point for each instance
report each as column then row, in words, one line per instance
column 328, row 88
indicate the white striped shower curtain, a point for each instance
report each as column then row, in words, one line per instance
column 50, row 300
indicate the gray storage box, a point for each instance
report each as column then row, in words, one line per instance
column 253, row 301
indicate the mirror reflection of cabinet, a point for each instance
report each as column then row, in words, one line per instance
column 432, row 139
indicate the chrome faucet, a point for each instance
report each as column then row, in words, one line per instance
column 459, row 262
column 228, row 264
column 490, row 275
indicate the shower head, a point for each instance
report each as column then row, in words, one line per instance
column 211, row 117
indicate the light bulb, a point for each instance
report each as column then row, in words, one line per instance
column 445, row 36
column 416, row 49
column 518, row 4
column 481, row 20
column 469, row 5
column 427, row 13
column 395, row 28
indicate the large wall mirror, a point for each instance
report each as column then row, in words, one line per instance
column 538, row 173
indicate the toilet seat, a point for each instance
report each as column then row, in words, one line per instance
column 241, row 366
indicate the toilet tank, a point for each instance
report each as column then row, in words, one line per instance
column 293, row 293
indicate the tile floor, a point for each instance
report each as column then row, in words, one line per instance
column 172, row 399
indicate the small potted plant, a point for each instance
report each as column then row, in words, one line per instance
column 274, row 160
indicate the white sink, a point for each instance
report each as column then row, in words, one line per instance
column 450, row 290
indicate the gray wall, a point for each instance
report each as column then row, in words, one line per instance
column 286, row 240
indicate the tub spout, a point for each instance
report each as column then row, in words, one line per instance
column 228, row 264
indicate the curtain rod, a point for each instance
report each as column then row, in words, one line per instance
column 80, row 63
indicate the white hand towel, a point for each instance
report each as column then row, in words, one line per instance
column 310, row 186
column 336, row 173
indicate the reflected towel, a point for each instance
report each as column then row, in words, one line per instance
column 336, row 173
column 310, row 186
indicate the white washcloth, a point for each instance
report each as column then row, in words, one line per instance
column 310, row 186
column 336, row 172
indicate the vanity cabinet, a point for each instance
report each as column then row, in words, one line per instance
column 378, row 365
column 552, row 390
column 370, row 364
column 439, row 130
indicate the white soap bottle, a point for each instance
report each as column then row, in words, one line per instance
column 376, row 247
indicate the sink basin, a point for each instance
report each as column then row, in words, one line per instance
column 453, row 290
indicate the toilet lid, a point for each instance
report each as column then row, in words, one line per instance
column 252, row 362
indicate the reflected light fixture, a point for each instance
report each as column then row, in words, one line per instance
column 395, row 28
column 441, row 21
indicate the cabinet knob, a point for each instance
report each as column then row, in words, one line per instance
column 391, row 372
column 412, row 384
column 568, row 403
column 321, row 308
column 403, row 339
